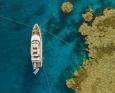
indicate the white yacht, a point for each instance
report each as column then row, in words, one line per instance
column 36, row 49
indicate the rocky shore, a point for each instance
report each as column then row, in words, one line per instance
column 97, row 74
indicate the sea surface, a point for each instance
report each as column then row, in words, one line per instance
column 63, row 46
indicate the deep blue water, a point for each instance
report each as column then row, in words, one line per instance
column 63, row 52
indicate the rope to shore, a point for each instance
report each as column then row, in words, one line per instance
column 47, row 79
column 15, row 21
column 27, row 25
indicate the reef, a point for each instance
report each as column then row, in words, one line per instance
column 97, row 73
column 88, row 16
column 67, row 7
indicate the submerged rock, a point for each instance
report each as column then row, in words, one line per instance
column 67, row 7
column 97, row 74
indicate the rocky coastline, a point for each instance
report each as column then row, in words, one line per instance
column 97, row 73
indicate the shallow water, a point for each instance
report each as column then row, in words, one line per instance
column 63, row 51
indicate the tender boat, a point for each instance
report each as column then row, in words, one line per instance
column 36, row 49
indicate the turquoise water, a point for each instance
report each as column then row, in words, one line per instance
column 63, row 51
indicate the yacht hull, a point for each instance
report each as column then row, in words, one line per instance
column 36, row 49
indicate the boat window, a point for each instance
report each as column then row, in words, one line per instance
column 34, row 47
column 36, row 56
column 35, row 52
column 36, row 42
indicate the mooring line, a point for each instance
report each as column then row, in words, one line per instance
column 15, row 21
column 47, row 79
column 27, row 25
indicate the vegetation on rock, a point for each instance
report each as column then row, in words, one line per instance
column 97, row 74
column 67, row 7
